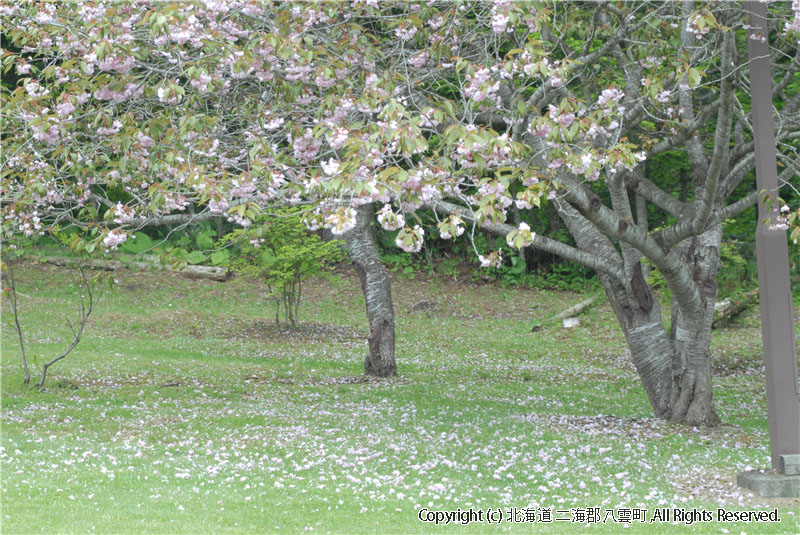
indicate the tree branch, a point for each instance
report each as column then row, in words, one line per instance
column 12, row 295
column 734, row 209
column 669, row 262
column 704, row 205
column 541, row 242
column 654, row 194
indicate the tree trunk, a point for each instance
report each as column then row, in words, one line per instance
column 675, row 366
column 690, row 333
column 642, row 222
column 377, row 288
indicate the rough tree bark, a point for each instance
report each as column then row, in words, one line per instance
column 377, row 287
column 674, row 365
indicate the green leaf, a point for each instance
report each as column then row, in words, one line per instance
column 138, row 243
column 694, row 77
column 195, row 257
column 219, row 258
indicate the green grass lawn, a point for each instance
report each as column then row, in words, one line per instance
column 186, row 410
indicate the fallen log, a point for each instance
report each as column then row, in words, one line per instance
column 569, row 317
column 192, row 271
column 106, row 265
column 728, row 308
column 575, row 310
column 205, row 272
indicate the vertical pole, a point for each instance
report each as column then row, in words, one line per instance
column 777, row 329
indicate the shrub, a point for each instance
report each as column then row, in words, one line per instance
column 279, row 250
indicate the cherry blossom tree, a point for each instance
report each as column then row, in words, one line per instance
column 125, row 114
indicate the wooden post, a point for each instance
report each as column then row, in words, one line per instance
column 777, row 329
